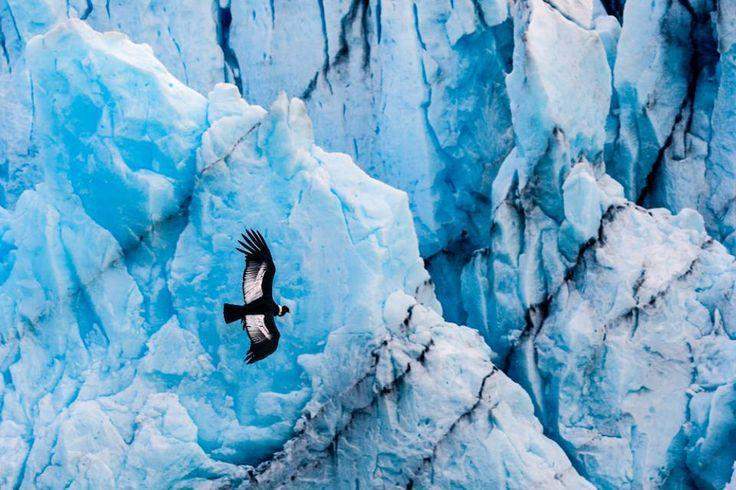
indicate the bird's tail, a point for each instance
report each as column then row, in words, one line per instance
column 233, row 313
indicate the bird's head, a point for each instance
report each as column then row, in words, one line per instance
column 283, row 310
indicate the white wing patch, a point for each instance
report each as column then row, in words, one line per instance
column 256, row 327
column 253, row 281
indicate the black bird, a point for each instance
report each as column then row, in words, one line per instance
column 259, row 309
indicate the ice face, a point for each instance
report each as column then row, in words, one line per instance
column 545, row 206
column 604, row 311
column 379, row 81
column 266, row 172
column 117, row 364
column 484, row 435
column 651, row 84
column 530, row 139
column 657, row 344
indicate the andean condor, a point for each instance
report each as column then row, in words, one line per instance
column 259, row 309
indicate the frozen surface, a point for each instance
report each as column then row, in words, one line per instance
column 393, row 427
column 379, row 80
column 117, row 366
column 535, row 141
column 616, row 319
column 414, row 92
column 647, row 312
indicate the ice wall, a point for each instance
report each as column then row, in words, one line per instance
column 379, row 80
column 615, row 318
column 117, row 367
column 414, row 92
column 521, row 131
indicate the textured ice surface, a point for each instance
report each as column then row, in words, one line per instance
column 616, row 319
column 117, row 366
column 530, row 137
column 380, row 82
column 484, row 435
column 660, row 346
column 415, row 93
column 651, row 82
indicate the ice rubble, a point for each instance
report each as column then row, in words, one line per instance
column 116, row 364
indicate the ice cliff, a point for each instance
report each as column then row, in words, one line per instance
column 563, row 169
column 117, row 365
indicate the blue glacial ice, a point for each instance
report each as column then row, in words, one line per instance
column 563, row 169
column 618, row 320
column 117, row 366
column 397, row 86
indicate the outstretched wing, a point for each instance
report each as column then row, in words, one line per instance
column 259, row 267
column 264, row 336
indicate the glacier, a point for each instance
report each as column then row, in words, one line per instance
column 142, row 382
column 557, row 176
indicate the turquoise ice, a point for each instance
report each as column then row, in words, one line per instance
column 556, row 175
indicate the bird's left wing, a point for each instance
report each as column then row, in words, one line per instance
column 259, row 267
column 263, row 334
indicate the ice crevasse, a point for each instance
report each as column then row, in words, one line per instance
column 116, row 364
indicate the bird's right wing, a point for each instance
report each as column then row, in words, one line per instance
column 259, row 267
column 264, row 336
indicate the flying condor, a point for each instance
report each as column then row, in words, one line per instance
column 259, row 309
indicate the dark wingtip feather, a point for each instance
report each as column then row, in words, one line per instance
column 254, row 245
column 262, row 243
column 252, row 237
column 247, row 247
